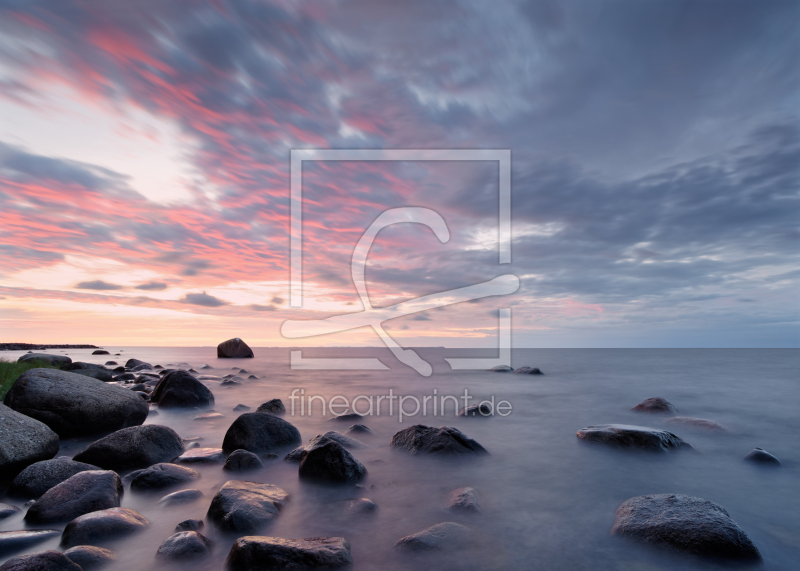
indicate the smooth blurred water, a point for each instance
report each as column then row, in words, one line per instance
column 548, row 500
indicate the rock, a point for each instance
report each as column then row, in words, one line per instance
column 464, row 500
column 421, row 439
column 274, row 406
column 481, row 410
column 125, row 377
column 246, row 507
column 23, row 441
column 761, row 456
column 13, row 541
column 137, row 387
column 359, row 429
column 80, row 365
column 208, row 416
column 133, row 448
column 190, row 525
column 41, row 561
column 270, row 553
column 77, row 495
column 102, row 525
column 347, row 417
column 655, row 405
column 89, row 558
column 131, row 363
column 158, row 368
column 234, row 349
column 74, row 405
column 329, row 461
column 180, row 497
column 184, row 545
column 359, row 507
column 259, row 432
column 346, row 441
column 53, row 360
column 100, row 352
column 201, row 456
column 241, row 408
column 206, row 367
column 118, row 369
column 37, row 478
column 684, row 523
column 527, row 371
column 447, row 535
column 252, row 377
column 230, row 383
column 501, row 369
column 142, row 367
column 179, row 389
column 241, row 460
column 7, row 511
column 110, row 363
column 629, row 436
column 701, row 423
column 162, row 476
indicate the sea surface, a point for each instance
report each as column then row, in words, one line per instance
column 548, row 499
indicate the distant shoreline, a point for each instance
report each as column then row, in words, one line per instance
column 37, row 346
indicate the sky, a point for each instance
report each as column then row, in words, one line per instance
column 145, row 169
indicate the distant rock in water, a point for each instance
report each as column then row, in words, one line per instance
column 464, row 500
column 481, row 409
column 242, row 460
column 700, row 423
column 359, row 429
column 190, row 525
column 271, row 553
column 23, row 441
column 274, row 406
column 133, row 448
column 201, row 456
column 501, row 369
column 447, row 535
column 131, row 363
column 656, row 405
column 234, row 349
column 42, row 561
column 100, row 352
column 684, row 523
column 630, row 436
column 421, row 439
column 761, row 456
column 528, row 371
column 179, row 389
column 241, row 408
column 246, row 507
column 54, row 360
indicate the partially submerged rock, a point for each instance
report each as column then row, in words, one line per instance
column 7, row 511
column 185, row 545
column 328, row 461
column 259, row 432
column 179, row 389
column 630, row 436
column 270, row 553
column 201, row 456
column 359, row 429
column 23, row 441
column 41, row 561
column 14, row 541
column 89, row 557
column 481, row 409
column 102, row 526
column 359, row 507
column 274, row 406
column 37, row 478
column 464, row 500
column 527, row 371
column 234, row 349
column 761, row 456
column 190, row 525
column 180, row 497
column 80, row 494
column 133, row 448
column 656, row 405
column 447, row 535
column 501, row 369
column 421, row 439
column 246, row 507
column 684, row 523
column 700, row 423
column 162, row 475
column 242, row 460
column 54, row 360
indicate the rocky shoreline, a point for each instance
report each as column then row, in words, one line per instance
column 40, row 347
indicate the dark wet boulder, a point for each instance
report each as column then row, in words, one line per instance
column 111, row 363
column 190, row 525
column 179, row 389
column 80, row 365
column 99, row 374
column 274, row 406
column 270, row 553
column 464, row 500
column 80, row 494
column 501, row 369
column 183, row 546
column 421, row 439
column 133, row 448
column 7, row 511
column 359, row 429
column 23, row 441
column 162, row 476
column 124, row 377
column 630, row 436
column 527, row 371
column 684, row 523
column 762, row 457
column 656, row 405
column 447, row 535
column 241, row 408
column 242, row 460
column 104, row 525
column 328, row 461
column 41, row 561
column 699, row 423
column 89, row 557
column 482, row 409
column 74, row 405
column 246, row 507
column 100, row 352
column 180, row 497
column 15, row 541
column 53, row 360
column 131, row 363
column 259, row 432
column 234, row 349
column 347, row 417
column 346, row 441
column 201, row 456
column 37, row 478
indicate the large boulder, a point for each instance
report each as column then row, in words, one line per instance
column 421, row 439
column 161, row 476
column 260, row 433
column 100, row 352
column 273, row 406
column 132, row 363
column 53, row 360
column 656, row 405
column 78, row 365
column 447, row 535
column 99, row 374
column 102, row 526
column 329, row 461
column 184, row 545
column 684, row 523
column 269, row 553
column 246, row 507
column 80, row 494
column 630, row 436
column 89, row 557
column 234, row 349
column 179, row 389
column 75, row 405
column 133, row 448
column 15, row 541
column 42, row 561
column 23, row 441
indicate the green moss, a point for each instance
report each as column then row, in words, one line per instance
column 11, row 370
